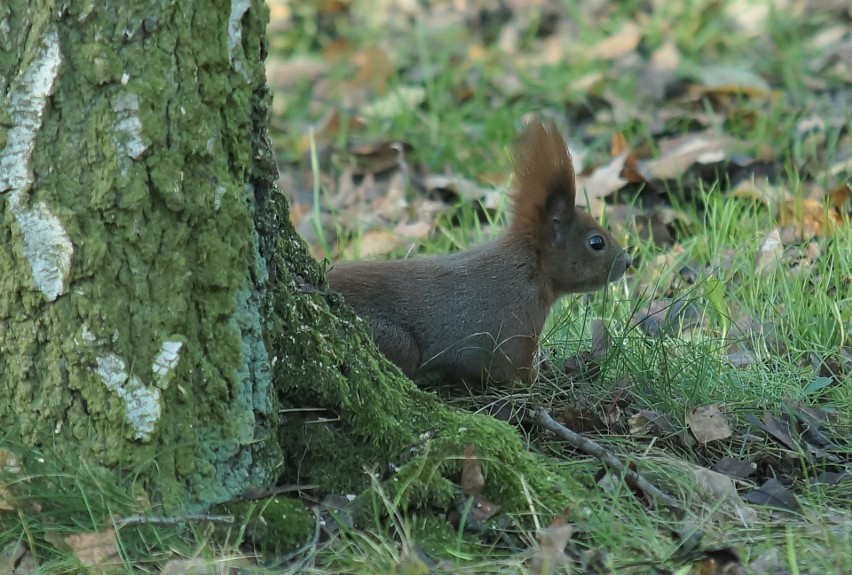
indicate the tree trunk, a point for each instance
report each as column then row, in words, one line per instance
column 131, row 332
column 157, row 307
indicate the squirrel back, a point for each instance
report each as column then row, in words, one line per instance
column 476, row 315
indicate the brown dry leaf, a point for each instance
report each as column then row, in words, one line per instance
column 599, row 184
column 649, row 423
column 472, row 479
column 623, row 42
column 809, row 218
column 708, row 423
column 94, row 549
column 762, row 190
column 718, row 488
column 840, row 197
column 769, row 253
column 375, row 158
column 618, row 145
column 601, row 342
column 549, row 554
column 678, row 154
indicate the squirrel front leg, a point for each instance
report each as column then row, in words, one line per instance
column 397, row 344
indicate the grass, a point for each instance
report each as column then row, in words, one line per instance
column 474, row 99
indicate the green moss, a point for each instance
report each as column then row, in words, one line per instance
column 273, row 526
column 98, row 62
column 434, row 535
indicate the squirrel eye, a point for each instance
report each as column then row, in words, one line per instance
column 597, row 243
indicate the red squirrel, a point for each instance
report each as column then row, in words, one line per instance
column 476, row 315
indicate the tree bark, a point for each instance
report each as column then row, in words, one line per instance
column 131, row 333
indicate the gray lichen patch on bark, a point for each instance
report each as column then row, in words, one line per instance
column 46, row 245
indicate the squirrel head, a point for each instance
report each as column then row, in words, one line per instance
column 575, row 254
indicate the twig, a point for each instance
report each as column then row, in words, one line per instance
column 152, row 520
column 591, row 447
column 255, row 494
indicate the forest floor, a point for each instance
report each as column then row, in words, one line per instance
column 714, row 138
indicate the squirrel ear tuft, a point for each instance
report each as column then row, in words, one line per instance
column 543, row 183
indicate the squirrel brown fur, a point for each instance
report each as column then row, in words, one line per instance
column 476, row 315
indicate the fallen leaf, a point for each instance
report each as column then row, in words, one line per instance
column 94, row 549
column 750, row 17
column 373, row 243
column 678, row 154
column 840, row 197
column 454, row 186
column 718, row 488
column 12, row 557
column 624, row 41
column 649, row 423
column 599, row 184
column 762, row 190
column 708, row 423
column 601, row 342
column 810, row 218
column 774, row 494
column 375, row 158
column 734, row 467
column 769, row 253
column 549, row 553
column 630, row 170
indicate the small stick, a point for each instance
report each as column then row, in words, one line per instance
column 152, row 520
column 543, row 419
